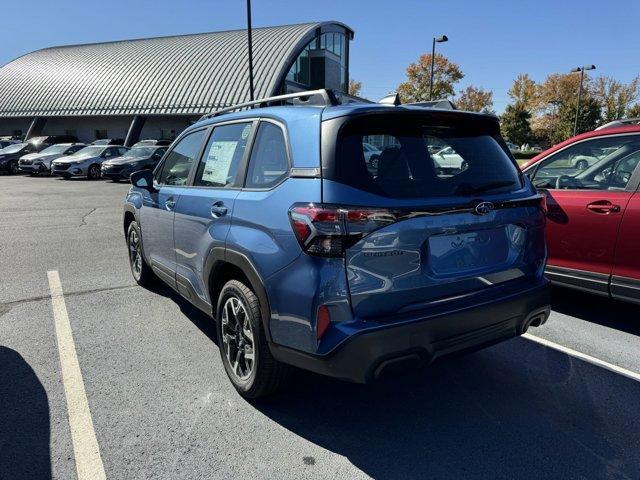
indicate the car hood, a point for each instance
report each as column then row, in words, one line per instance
column 78, row 158
column 41, row 156
column 125, row 160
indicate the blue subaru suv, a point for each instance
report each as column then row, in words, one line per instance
column 309, row 252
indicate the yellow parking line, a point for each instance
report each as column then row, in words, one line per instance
column 85, row 445
column 583, row 356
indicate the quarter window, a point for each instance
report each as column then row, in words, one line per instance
column 221, row 161
column 269, row 163
column 175, row 170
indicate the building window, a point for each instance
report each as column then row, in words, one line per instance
column 71, row 132
column 101, row 134
column 321, row 64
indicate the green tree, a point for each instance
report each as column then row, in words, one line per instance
column 445, row 75
column 634, row 111
column 514, row 124
column 354, row 87
column 474, row 99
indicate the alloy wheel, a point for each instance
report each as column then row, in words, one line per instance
column 13, row 168
column 135, row 253
column 94, row 171
column 237, row 338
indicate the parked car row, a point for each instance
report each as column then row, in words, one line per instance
column 64, row 156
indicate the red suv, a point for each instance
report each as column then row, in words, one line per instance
column 593, row 226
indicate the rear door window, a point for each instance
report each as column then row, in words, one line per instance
column 221, row 160
column 413, row 159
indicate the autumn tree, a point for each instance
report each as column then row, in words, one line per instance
column 524, row 92
column 354, row 87
column 445, row 75
column 515, row 125
column 615, row 97
column 473, row 99
column 555, row 107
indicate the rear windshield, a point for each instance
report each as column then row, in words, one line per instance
column 405, row 157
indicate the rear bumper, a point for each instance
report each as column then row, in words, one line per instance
column 365, row 355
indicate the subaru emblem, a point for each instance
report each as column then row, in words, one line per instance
column 483, row 208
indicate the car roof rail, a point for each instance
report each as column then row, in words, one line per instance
column 322, row 97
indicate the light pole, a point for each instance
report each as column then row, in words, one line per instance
column 250, row 50
column 440, row 39
column 581, row 70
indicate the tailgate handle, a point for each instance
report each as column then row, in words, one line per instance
column 603, row 207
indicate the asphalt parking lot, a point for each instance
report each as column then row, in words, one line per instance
column 162, row 407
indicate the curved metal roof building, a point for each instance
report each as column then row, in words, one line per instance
column 187, row 74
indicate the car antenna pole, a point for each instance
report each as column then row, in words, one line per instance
column 250, row 50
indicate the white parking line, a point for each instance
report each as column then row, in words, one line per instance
column 85, row 445
column 583, row 356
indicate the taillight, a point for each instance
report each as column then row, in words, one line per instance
column 328, row 230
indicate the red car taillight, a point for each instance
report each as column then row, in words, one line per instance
column 328, row 230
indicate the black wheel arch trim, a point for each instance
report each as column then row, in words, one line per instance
column 218, row 257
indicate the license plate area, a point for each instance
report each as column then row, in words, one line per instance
column 468, row 252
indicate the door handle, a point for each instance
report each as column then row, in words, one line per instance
column 170, row 204
column 218, row 210
column 603, row 207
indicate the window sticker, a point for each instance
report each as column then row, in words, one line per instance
column 245, row 131
column 216, row 168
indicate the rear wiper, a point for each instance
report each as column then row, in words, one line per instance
column 466, row 188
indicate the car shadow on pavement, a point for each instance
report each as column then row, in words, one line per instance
column 200, row 319
column 592, row 308
column 516, row 410
column 24, row 420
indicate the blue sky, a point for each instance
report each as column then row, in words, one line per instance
column 491, row 40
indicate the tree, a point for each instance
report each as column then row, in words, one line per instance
column 634, row 111
column 615, row 97
column 416, row 88
column 473, row 99
column 524, row 92
column 514, row 124
column 354, row 87
column 555, row 106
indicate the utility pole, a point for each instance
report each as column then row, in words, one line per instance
column 250, row 50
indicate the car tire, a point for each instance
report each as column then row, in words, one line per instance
column 13, row 168
column 93, row 172
column 582, row 164
column 141, row 271
column 240, row 331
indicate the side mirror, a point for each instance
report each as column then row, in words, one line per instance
column 143, row 179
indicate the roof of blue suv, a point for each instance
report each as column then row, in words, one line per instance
column 290, row 113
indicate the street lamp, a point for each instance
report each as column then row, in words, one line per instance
column 440, row 39
column 581, row 70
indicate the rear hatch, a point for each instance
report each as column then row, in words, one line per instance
column 419, row 230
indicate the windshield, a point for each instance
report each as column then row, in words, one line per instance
column 417, row 160
column 13, row 148
column 140, row 152
column 55, row 149
column 89, row 151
